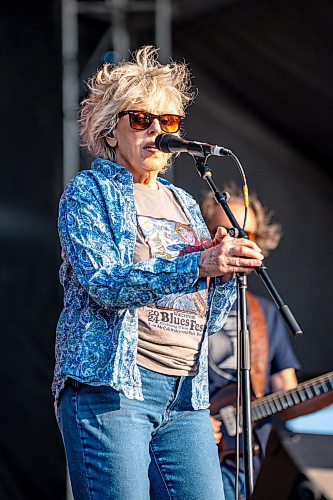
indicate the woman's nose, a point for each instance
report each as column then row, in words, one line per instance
column 155, row 127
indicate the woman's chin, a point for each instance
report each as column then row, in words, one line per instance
column 153, row 165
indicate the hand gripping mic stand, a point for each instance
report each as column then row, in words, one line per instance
column 245, row 362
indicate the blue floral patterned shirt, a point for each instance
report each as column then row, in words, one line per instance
column 97, row 334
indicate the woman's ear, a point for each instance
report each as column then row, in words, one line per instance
column 110, row 139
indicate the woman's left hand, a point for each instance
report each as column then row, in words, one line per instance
column 227, row 255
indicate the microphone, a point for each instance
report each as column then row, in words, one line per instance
column 170, row 143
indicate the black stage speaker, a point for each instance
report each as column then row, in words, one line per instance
column 296, row 467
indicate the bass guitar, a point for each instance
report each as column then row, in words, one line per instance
column 307, row 397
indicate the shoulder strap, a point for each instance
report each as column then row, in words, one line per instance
column 259, row 344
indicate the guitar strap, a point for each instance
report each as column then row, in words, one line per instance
column 259, row 344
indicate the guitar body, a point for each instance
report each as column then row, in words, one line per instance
column 223, row 397
column 222, row 407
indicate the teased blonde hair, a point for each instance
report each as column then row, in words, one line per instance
column 120, row 87
column 268, row 234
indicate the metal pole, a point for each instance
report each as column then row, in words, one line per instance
column 163, row 29
column 70, row 103
column 119, row 31
column 70, row 89
column 245, row 368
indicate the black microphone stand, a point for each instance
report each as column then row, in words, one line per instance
column 245, row 361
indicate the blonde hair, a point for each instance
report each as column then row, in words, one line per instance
column 120, row 87
column 268, row 234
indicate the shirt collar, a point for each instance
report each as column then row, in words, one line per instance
column 109, row 168
column 113, row 170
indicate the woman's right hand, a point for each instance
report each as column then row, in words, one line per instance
column 229, row 255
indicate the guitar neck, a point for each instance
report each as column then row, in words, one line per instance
column 280, row 401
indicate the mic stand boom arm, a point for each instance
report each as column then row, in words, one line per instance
column 245, row 361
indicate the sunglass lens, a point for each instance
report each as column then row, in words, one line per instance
column 170, row 123
column 140, row 121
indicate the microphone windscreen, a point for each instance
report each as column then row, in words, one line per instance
column 162, row 142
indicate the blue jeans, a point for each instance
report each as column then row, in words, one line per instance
column 228, row 476
column 125, row 449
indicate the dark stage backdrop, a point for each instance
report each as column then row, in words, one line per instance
column 32, row 463
column 265, row 78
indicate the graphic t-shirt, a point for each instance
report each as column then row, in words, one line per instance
column 170, row 330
